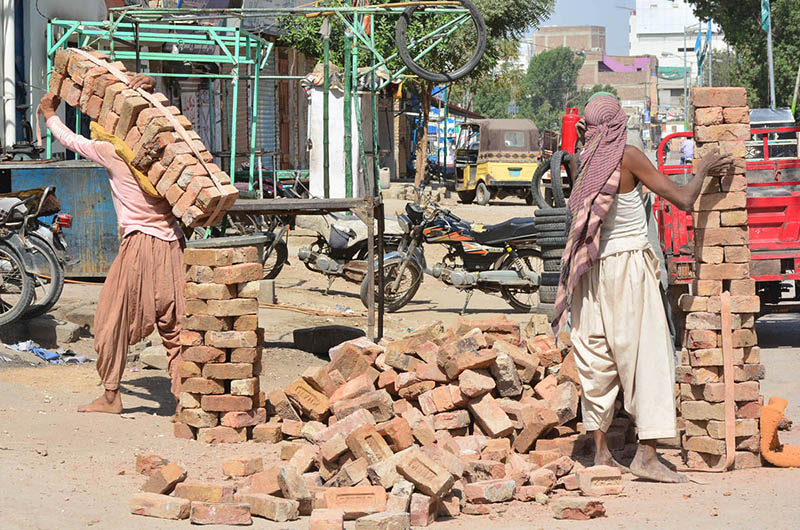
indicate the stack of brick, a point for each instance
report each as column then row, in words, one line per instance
column 171, row 165
column 221, row 346
column 436, row 423
column 722, row 264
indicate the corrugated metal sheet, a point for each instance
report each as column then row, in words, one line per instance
column 267, row 124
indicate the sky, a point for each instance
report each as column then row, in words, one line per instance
column 597, row 13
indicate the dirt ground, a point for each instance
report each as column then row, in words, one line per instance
column 61, row 469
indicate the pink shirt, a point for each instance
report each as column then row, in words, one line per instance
column 136, row 210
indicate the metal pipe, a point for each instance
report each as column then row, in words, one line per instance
column 9, row 74
column 381, row 250
column 348, row 129
column 771, row 68
column 234, row 110
column 49, row 135
column 254, row 119
column 685, row 85
column 326, row 94
column 371, row 268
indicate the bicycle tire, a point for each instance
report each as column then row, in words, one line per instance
column 401, row 38
column 56, row 273
column 536, row 182
column 550, row 212
column 552, row 241
column 556, row 184
column 548, row 293
column 25, row 285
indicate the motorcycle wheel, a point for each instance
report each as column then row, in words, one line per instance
column 409, row 285
column 16, row 286
column 48, row 278
column 523, row 300
column 274, row 262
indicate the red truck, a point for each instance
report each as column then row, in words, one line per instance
column 773, row 209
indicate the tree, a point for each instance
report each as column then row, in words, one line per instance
column 495, row 95
column 582, row 97
column 506, row 20
column 551, row 81
column 741, row 23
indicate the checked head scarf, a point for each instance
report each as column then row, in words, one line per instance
column 593, row 194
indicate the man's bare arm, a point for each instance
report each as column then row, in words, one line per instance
column 683, row 197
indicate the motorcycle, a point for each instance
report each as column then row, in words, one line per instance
column 342, row 245
column 500, row 258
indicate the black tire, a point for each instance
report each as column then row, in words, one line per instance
column 394, row 302
column 48, row 277
column 550, row 227
column 552, row 241
column 551, row 235
column 401, row 38
column 529, row 200
column 523, row 300
column 559, row 220
column 547, row 309
column 536, row 184
column 273, row 264
column 552, row 265
column 548, row 278
column 553, row 253
column 550, row 212
column 482, row 194
column 548, row 293
column 16, row 288
column 466, row 197
column 556, row 184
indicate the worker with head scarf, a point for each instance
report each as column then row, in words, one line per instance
column 610, row 285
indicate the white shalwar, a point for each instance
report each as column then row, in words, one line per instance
column 620, row 331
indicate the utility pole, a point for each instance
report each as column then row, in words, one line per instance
column 766, row 24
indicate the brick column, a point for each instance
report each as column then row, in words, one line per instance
column 221, row 346
column 722, row 264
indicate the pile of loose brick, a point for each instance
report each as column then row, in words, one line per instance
column 435, row 424
column 159, row 152
column 221, row 346
column 722, row 264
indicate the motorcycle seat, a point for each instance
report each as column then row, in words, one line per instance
column 513, row 229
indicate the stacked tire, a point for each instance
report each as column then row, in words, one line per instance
column 551, row 235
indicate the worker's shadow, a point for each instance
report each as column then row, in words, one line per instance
column 153, row 389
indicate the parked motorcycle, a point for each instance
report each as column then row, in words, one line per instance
column 342, row 245
column 499, row 258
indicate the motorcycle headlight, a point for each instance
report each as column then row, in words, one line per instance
column 405, row 223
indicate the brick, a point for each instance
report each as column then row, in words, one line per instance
column 399, row 499
column 700, row 320
column 739, row 304
column 475, row 383
column 428, row 476
column 70, row 92
column 733, row 183
column 312, row 402
column 705, row 444
column 567, row 446
column 719, row 97
column 458, row 419
column 721, row 236
column 130, row 111
column 546, row 388
column 414, row 390
column 267, row 433
column 206, row 323
column 378, row 403
column 564, row 402
column 245, row 387
column 491, row 418
column 226, row 403
column 245, row 355
column 163, row 480
column 749, row 372
column 160, row 506
column 702, row 338
column 233, row 307
column 304, row 457
column 365, row 442
column 397, row 433
column 188, row 369
column 385, row 521
column 715, row 392
column 544, row 421
column 205, row 492
column 221, row 434
column 483, row 470
column 600, row 480
column 736, row 114
column 270, row 507
column 211, row 257
column 707, row 287
column 218, row 513
column 92, row 107
column 147, row 463
column 265, row 482
column 708, row 116
column 702, row 410
column 294, row 487
column 529, row 493
column 505, row 374
column 561, row 466
column 576, row 508
column 345, row 425
column 203, row 354
column 61, row 60
column 248, row 418
column 208, row 291
column 241, row 273
column 350, row 364
column 489, row 491
column 713, row 255
column 733, row 217
column 326, row 519
column 351, row 473
column 422, row 510
column 744, row 427
column 356, row 501
column 232, row 339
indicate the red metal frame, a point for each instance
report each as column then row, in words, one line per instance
column 774, row 222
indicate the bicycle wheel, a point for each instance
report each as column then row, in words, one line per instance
column 451, row 37
column 16, row 286
column 48, row 277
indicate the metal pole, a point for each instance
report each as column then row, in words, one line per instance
column 49, row 136
column 446, row 112
column 710, row 61
column 371, row 268
column 381, row 301
column 326, row 94
column 796, row 87
column 254, row 119
column 234, row 109
column 771, row 69
column 348, row 129
column 685, row 84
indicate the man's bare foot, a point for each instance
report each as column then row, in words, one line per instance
column 647, row 465
column 110, row 403
column 608, row 460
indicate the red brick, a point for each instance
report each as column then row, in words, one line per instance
column 708, row 116
column 226, row 403
column 245, row 355
column 313, row 403
column 366, row 443
column 600, row 480
column 203, row 354
column 736, row 114
column 422, row 510
column 356, row 501
column 164, row 479
column 428, row 476
column 489, row 491
column 245, row 387
column 205, row 492
column 378, row 403
column 358, row 386
column 198, row 418
column 397, row 433
column 265, row 482
column 542, row 422
column 326, row 519
column 161, row 506
column 221, row 434
column 147, row 464
column 131, row 108
column 719, row 97
column 218, row 513
column 231, row 339
column 721, row 236
column 206, row 323
column 578, row 509
column 212, row 257
column 241, row 273
column 239, row 419
column 242, row 466
column 474, row 384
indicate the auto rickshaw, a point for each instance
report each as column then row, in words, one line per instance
column 496, row 159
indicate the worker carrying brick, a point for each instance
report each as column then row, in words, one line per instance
column 610, row 285
column 144, row 287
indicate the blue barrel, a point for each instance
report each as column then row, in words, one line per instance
column 84, row 192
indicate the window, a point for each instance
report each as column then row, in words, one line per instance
column 514, row 139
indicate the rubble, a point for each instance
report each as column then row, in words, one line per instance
column 357, row 443
column 172, row 161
